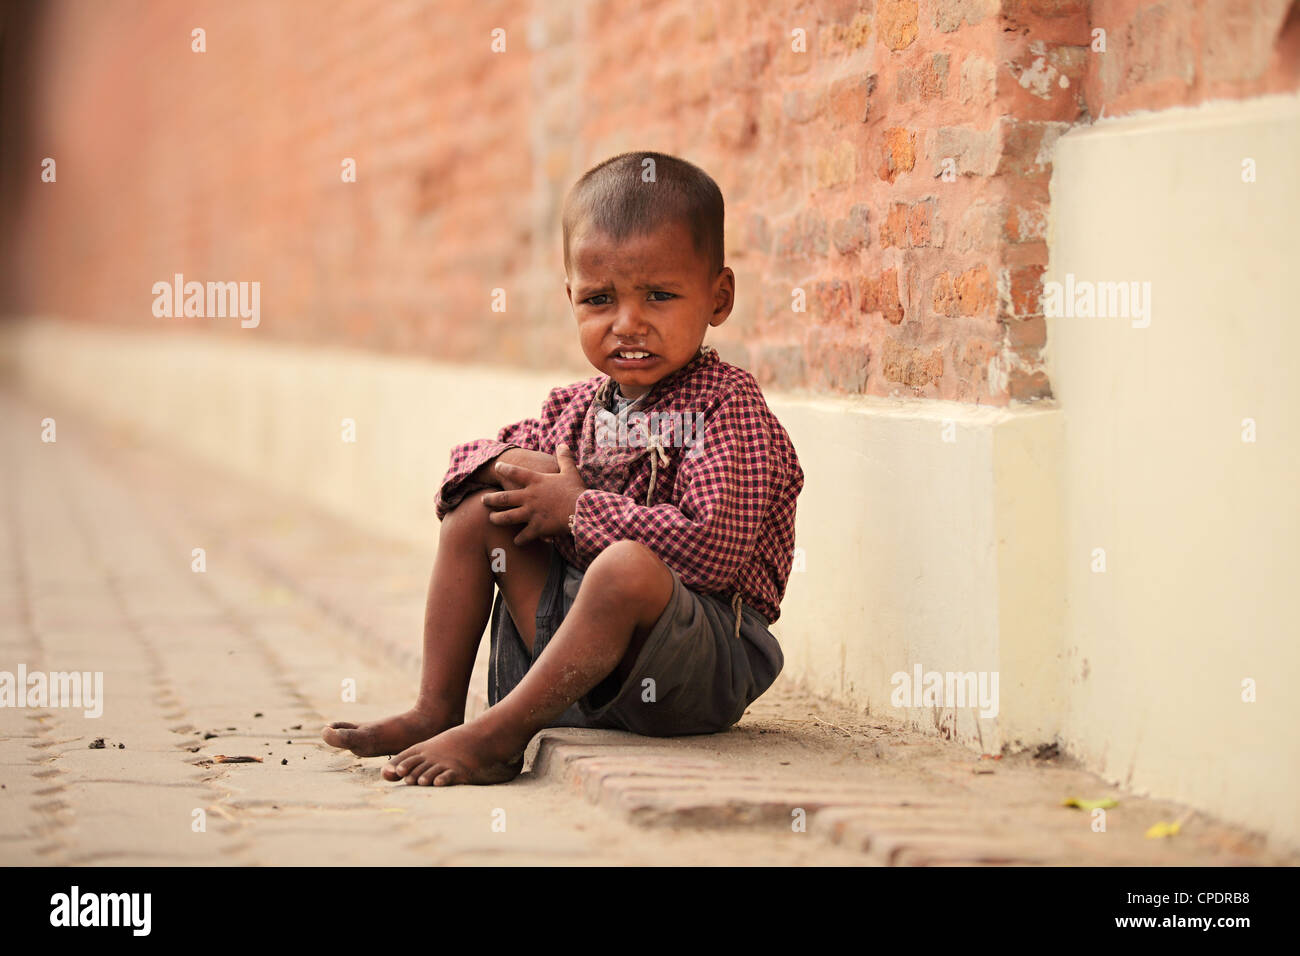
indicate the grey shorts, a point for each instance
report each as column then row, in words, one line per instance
column 703, row 676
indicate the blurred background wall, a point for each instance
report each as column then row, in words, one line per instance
column 226, row 164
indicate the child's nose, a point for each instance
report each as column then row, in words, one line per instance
column 628, row 321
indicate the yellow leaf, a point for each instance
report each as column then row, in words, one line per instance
column 1163, row 829
column 1105, row 803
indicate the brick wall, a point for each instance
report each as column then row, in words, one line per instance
column 225, row 165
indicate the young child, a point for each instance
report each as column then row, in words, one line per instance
column 636, row 569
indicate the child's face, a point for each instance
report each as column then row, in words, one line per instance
column 649, row 294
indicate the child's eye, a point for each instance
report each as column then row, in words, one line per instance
column 591, row 300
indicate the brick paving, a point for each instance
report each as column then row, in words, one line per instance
column 248, row 658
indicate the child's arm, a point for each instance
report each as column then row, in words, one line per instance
column 745, row 459
column 472, row 463
column 489, row 477
column 523, row 443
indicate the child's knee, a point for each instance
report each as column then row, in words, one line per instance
column 469, row 525
column 469, row 518
column 628, row 571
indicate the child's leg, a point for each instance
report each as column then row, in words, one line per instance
column 456, row 611
column 622, row 596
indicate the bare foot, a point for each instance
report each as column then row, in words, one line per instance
column 383, row 737
column 464, row 754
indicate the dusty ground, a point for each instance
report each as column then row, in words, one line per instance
column 248, row 659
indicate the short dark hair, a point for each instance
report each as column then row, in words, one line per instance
column 614, row 198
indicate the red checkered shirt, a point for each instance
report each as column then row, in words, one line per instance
column 718, row 510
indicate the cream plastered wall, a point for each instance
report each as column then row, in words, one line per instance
column 1199, row 529
column 927, row 531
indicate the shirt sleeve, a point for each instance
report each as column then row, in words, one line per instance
column 708, row 535
column 473, row 455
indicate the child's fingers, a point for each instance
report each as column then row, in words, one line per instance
column 516, row 472
column 502, row 499
column 530, row 533
column 564, row 458
column 513, row 516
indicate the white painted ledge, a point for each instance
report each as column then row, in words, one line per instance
column 917, row 550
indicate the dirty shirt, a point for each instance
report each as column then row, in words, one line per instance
column 698, row 469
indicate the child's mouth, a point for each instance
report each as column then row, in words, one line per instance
column 633, row 358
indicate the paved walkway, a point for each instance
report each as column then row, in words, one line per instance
column 249, row 658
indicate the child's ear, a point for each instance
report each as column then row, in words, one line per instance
column 724, row 297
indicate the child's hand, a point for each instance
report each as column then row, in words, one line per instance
column 542, row 502
column 529, row 459
column 534, row 460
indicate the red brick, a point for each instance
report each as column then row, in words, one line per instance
column 1027, row 333
column 1027, row 147
column 880, row 294
column 978, row 84
column 925, row 83
column 841, row 360
column 919, row 222
column 1030, row 11
column 952, row 15
column 837, row 166
column 850, row 233
column 898, row 152
column 780, row 365
column 833, row 300
column 893, row 231
column 848, row 98
column 1025, row 385
column 1027, row 290
column 973, row 363
column 974, row 152
column 753, row 62
column 976, row 292
column 802, row 236
column 944, row 294
column 934, row 78
column 1025, row 221
column 802, row 106
column 973, row 292
column 858, row 31
column 896, row 23
column 911, row 366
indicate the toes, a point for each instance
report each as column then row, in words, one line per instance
column 401, row 765
column 337, row 735
column 430, row 772
column 447, row 778
column 360, row 740
column 412, row 776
